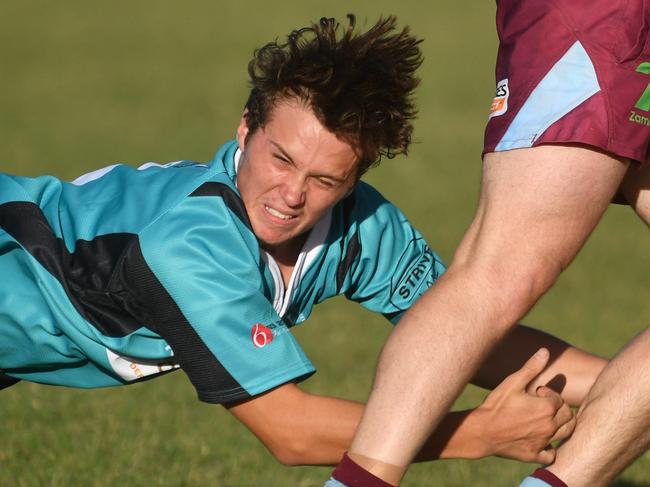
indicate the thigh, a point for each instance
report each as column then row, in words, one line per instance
column 539, row 205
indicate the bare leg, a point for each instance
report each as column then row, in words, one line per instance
column 636, row 188
column 537, row 208
column 614, row 423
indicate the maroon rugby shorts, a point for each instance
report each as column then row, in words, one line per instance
column 572, row 71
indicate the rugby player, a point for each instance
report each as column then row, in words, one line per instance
column 568, row 133
column 123, row 274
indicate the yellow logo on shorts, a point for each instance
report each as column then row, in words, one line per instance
column 500, row 102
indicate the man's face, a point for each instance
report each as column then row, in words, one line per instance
column 291, row 171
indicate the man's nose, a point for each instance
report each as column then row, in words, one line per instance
column 294, row 190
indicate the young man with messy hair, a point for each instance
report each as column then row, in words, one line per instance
column 210, row 267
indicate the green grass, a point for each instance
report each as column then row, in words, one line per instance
column 87, row 84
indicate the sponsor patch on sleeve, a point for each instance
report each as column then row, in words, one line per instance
column 262, row 335
column 500, row 102
column 416, row 278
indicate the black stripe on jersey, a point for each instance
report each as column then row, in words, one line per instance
column 85, row 274
column 110, row 284
column 390, row 316
column 6, row 381
column 344, row 266
column 229, row 196
column 354, row 246
column 153, row 304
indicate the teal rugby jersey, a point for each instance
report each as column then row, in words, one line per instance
column 124, row 274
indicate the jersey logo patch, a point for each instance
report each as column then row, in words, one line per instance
column 418, row 276
column 261, row 335
column 500, row 102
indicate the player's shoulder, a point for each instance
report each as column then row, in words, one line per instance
column 211, row 209
column 211, row 183
column 368, row 195
column 219, row 190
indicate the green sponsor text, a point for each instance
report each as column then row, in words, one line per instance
column 644, row 102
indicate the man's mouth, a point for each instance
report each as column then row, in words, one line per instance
column 278, row 214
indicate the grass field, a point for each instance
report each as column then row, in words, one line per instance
column 88, row 84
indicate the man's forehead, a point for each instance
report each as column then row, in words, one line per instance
column 294, row 128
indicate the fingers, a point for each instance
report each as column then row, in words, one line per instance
column 564, row 418
column 552, row 397
column 531, row 369
column 546, row 456
column 566, row 428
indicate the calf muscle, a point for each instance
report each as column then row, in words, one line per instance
column 613, row 424
column 636, row 188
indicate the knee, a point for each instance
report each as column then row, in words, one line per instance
column 511, row 286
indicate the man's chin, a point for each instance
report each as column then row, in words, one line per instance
column 286, row 247
column 271, row 245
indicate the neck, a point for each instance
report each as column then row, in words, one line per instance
column 286, row 255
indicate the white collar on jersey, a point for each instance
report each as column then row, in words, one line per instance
column 310, row 250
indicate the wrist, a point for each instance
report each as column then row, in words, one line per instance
column 478, row 445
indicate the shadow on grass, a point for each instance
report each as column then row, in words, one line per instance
column 626, row 483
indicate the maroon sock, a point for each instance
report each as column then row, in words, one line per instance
column 353, row 475
column 548, row 477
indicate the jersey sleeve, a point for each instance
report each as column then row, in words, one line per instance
column 208, row 300
column 393, row 264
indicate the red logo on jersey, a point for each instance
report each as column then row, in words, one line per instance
column 261, row 335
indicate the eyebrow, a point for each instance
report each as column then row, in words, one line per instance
column 284, row 152
column 290, row 159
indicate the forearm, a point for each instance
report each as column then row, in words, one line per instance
column 327, row 426
column 306, row 429
column 300, row 428
column 458, row 436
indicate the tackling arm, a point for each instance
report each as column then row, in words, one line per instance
column 300, row 428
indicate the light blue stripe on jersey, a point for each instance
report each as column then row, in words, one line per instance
column 571, row 81
column 533, row 482
column 332, row 482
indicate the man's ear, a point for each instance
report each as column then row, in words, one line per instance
column 242, row 131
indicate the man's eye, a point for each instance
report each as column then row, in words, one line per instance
column 326, row 183
column 281, row 158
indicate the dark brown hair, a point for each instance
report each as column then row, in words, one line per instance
column 359, row 86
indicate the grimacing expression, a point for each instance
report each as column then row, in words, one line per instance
column 292, row 170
